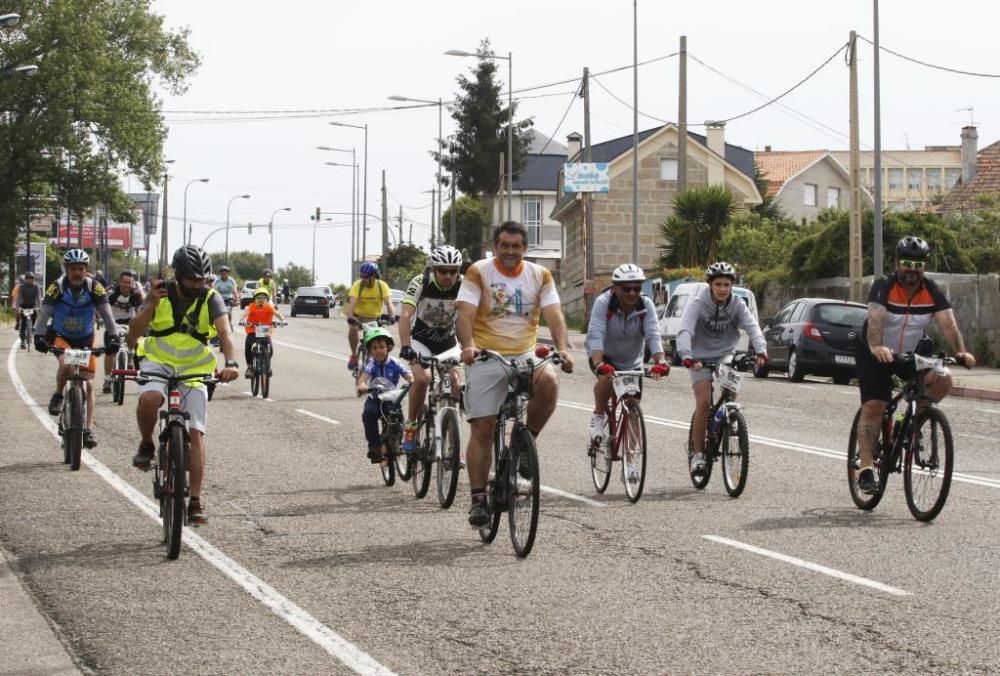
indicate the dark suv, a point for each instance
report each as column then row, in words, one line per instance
column 814, row 336
column 311, row 300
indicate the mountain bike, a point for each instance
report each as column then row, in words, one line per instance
column 438, row 440
column 124, row 360
column 360, row 353
column 726, row 435
column 624, row 437
column 917, row 443
column 260, row 358
column 172, row 466
column 28, row 328
column 513, row 486
column 73, row 417
column 391, row 433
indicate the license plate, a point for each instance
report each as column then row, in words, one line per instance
column 263, row 331
column 730, row 378
column 76, row 357
column 847, row 359
column 311, row 300
column 626, row 385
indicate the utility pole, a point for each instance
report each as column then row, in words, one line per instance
column 635, row 131
column 503, row 184
column 385, row 219
column 410, row 238
column 432, row 221
column 400, row 240
column 877, row 245
column 163, row 236
column 588, row 211
column 454, row 236
column 855, row 171
column 682, row 118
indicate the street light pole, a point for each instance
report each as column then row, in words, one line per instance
column 186, row 235
column 364, row 190
column 270, row 230
column 354, row 172
column 230, row 204
column 435, row 226
column 877, row 254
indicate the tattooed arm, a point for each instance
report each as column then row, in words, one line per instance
column 876, row 320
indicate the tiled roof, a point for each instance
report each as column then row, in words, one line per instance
column 987, row 180
column 779, row 166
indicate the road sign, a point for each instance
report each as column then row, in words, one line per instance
column 585, row 177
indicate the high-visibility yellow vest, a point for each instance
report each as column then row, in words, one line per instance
column 181, row 345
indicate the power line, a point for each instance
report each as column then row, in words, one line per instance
column 561, row 120
column 947, row 69
column 626, row 104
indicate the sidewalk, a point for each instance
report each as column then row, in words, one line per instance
column 28, row 644
column 979, row 383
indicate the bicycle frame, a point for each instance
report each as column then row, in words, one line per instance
column 726, row 400
column 439, row 389
column 617, row 410
column 895, row 438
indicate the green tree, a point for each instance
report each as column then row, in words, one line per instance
column 91, row 113
column 691, row 234
column 470, row 219
column 756, row 242
column 768, row 208
column 297, row 275
column 243, row 264
column 402, row 264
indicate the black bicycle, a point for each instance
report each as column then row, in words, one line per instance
column 391, row 433
column 73, row 417
column 438, row 438
column 917, row 442
column 260, row 358
column 170, row 471
column 360, row 354
column 514, row 485
column 124, row 360
column 726, row 435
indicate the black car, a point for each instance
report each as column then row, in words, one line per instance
column 814, row 336
column 311, row 300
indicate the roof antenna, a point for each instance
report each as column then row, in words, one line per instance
column 970, row 110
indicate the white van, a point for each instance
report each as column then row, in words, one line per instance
column 670, row 320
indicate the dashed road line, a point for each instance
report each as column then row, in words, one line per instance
column 317, row 416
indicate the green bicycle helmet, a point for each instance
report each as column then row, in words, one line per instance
column 379, row 333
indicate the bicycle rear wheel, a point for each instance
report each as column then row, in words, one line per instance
column 173, row 492
column 448, row 464
column 928, row 464
column 863, row 500
column 523, row 491
column 389, row 451
column 254, row 370
column 699, row 481
column 422, row 457
column 496, row 488
column 633, row 450
column 73, row 434
column 404, row 461
column 117, row 382
column 600, row 459
column 735, row 450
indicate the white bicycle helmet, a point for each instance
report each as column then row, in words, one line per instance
column 75, row 256
column 446, row 256
column 629, row 272
column 720, row 269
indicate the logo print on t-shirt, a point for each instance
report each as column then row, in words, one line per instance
column 504, row 303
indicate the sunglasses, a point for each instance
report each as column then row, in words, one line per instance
column 912, row 265
column 630, row 289
column 447, row 271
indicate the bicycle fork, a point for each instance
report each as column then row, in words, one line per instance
column 169, row 419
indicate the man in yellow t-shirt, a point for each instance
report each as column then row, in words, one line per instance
column 499, row 304
column 365, row 301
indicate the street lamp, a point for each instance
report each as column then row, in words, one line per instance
column 270, row 230
column 185, row 234
column 510, row 120
column 364, row 199
column 434, row 225
column 230, row 204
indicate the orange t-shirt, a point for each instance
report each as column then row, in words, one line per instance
column 259, row 315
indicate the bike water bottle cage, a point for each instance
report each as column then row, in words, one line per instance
column 182, row 321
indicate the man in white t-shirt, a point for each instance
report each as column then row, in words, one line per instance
column 499, row 304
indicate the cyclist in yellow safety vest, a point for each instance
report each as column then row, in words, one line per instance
column 181, row 315
column 267, row 283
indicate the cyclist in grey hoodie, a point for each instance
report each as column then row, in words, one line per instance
column 710, row 329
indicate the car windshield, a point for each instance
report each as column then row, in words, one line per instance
column 676, row 306
column 311, row 291
column 251, row 285
column 839, row 315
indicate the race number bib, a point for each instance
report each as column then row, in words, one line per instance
column 263, row 331
column 76, row 357
column 626, row 385
column 730, row 378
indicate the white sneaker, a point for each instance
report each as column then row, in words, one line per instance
column 597, row 421
column 698, row 463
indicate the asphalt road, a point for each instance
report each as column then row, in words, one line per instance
column 310, row 565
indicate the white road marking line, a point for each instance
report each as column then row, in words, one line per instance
column 252, row 395
column 974, row 436
column 317, row 416
column 808, row 565
column 326, row 638
column 294, row 346
column 571, row 496
column 985, row 410
column 808, row 387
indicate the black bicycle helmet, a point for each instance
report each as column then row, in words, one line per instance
column 192, row 261
column 912, row 247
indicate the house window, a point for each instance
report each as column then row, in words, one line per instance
column 668, row 170
column 809, row 195
column 951, row 177
column 833, row 198
column 895, row 180
column 531, row 217
column 933, row 180
column 913, row 180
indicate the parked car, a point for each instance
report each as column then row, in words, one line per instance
column 311, row 300
column 814, row 336
column 246, row 295
column 669, row 319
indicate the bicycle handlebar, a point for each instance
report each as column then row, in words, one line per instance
column 383, row 320
column 140, row 377
column 740, row 361
column 96, row 351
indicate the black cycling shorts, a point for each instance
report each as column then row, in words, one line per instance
column 875, row 378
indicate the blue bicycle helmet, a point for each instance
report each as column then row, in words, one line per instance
column 76, row 256
column 369, row 269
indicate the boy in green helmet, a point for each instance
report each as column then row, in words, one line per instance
column 382, row 372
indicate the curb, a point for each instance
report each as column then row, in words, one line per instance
column 974, row 393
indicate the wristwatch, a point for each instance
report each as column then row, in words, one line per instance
column 232, row 363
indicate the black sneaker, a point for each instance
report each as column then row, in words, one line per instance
column 196, row 513
column 88, row 439
column 866, row 482
column 144, row 456
column 106, row 387
column 55, row 404
column 374, row 456
column 479, row 514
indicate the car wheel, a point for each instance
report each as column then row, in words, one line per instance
column 795, row 371
column 293, row 313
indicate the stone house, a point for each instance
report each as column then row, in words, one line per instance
column 803, row 183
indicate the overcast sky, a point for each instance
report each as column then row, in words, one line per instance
column 301, row 55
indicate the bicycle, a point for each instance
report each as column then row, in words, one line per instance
column 393, row 459
column 28, row 328
column 514, row 483
column 360, row 354
column 726, row 425
column 124, row 360
column 170, row 471
column 73, row 416
column 624, row 438
column 438, row 440
column 903, row 445
column 260, row 358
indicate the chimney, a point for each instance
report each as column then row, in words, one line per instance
column 767, row 149
column 574, row 142
column 715, row 133
column 970, row 149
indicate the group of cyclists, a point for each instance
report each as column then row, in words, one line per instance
column 495, row 306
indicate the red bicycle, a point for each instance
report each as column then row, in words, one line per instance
column 624, row 439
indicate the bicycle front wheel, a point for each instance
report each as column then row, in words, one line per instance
column 734, row 447
column 928, row 464
column 864, row 500
column 422, row 457
column 523, row 491
column 388, row 466
column 265, row 374
column 254, row 371
column 118, row 383
column 73, row 434
column 600, row 459
column 633, row 450
column 174, row 487
column 496, row 487
column 449, row 463
column 699, row 481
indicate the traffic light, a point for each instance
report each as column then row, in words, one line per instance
column 249, row 228
column 317, row 214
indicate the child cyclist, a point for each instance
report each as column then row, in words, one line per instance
column 382, row 372
column 259, row 312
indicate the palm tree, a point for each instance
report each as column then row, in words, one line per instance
column 692, row 233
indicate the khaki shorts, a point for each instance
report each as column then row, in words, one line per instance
column 701, row 375
column 486, row 386
column 194, row 400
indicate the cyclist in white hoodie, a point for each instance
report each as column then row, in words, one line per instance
column 710, row 329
